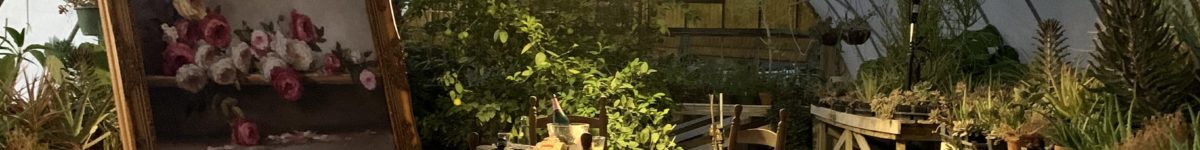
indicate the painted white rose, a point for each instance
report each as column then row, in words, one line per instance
column 280, row 44
column 242, row 57
column 207, row 55
column 299, row 55
column 271, row 62
column 170, row 34
column 191, row 78
column 355, row 57
column 223, row 72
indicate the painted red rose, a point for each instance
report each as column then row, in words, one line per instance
column 177, row 55
column 286, row 83
column 333, row 65
column 216, row 29
column 188, row 31
column 302, row 27
column 244, row 132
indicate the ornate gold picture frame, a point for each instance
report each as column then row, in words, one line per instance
column 138, row 84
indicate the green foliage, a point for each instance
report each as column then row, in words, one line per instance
column 1137, row 57
column 1182, row 17
column 1108, row 123
column 13, row 52
column 76, row 112
column 493, row 55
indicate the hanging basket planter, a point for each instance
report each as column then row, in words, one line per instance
column 89, row 20
column 856, row 31
column 857, row 36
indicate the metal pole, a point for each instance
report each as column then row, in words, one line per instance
column 913, row 73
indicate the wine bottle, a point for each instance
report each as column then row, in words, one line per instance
column 560, row 116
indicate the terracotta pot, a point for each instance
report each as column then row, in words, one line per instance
column 857, row 36
column 1013, row 145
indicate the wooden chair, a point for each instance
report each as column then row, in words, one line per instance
column 600, row 121
column 756, row 136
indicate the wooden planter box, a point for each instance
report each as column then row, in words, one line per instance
column 837, row 129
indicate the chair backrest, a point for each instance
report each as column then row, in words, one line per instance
column 600, row 121
column 765, row 137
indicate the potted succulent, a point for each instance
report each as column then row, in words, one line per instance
column 87, row 12
column 857, row 31
column 829, row 35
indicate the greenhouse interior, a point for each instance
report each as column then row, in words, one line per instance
column 600, row 74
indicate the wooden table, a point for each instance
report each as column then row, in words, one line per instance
column 511, row 146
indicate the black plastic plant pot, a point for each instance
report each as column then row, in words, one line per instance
column 830, row 38
column 857, row 36
column 89, row 20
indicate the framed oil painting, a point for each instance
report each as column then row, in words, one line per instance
column 258, row 74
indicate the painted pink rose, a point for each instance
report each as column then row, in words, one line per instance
column 216, row 29
column 367, row 78
column 286, row 83
column 260, row 42
column 333, row 65
column 188, row 31
column 302, row 27
column 177, row 55
column 244, row 132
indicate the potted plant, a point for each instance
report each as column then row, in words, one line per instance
column 857, row 31
column 87, row 12
column 829, row 35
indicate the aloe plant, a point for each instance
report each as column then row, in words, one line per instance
column 1105, row 127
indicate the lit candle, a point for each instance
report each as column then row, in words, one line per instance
column 711, row 109
column 721, row 109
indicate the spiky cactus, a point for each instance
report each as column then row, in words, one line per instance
column 1136, row 56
